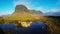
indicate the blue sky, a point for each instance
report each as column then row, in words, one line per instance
column 8, row 6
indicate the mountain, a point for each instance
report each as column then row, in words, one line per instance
column 23, row 13
column 57, row 13
column 23, row 10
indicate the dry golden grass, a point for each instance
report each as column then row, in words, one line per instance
column 29, row 17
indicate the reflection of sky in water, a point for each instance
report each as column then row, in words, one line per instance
column 39, row 27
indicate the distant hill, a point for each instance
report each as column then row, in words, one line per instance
column 57, row 13
column 23, row 9
column 22, row 12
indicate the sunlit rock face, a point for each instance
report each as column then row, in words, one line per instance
column 22, row 13
column 24, row 10
column 21, row 8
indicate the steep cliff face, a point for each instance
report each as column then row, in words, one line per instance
column 21, row 9
column 23, row 13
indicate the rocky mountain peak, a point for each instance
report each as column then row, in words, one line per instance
column 20, row 8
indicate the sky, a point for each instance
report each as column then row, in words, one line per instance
column 46, row 6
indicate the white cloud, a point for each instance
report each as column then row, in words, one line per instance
column 27, row 3
column 55, row 10
column 39, row 8
column 42, row 8
column 24, row 2
column 6, row 12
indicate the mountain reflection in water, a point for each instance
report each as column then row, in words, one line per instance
column 35, row 28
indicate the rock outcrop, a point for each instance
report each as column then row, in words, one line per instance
column 21, row 9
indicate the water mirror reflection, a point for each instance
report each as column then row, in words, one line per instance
column 34, row 27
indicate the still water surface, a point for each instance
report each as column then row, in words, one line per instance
column 35, row 28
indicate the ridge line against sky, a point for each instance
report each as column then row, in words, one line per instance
column 8, row 6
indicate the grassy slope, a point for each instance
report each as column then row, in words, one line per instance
column 51, row 22
column 54, row 24
column 22, row 16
